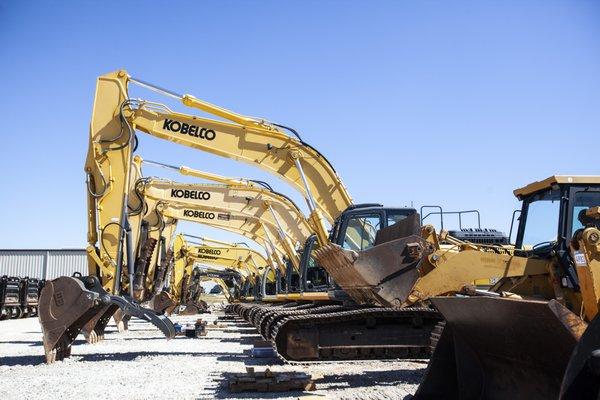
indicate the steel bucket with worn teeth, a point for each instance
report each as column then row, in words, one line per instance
column 500, row 348
column 121, row 320
column 68, row 304
column 193, row 308
column 384, row 274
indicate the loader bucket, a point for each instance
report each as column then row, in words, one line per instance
column 498, row 348
column 67, row 304
column 582, row 379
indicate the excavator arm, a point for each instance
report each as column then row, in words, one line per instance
column 115, row 119
column 248, row 226
column 244, row 139
column 286, row 222
column 247, row 262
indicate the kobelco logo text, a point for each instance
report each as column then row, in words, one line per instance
column 198, row 214
column 192, row 130
column 209, row 251
column 190, row 194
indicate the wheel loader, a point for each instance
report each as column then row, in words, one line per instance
column 534, row 336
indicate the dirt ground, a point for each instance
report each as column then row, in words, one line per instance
column 141, row 364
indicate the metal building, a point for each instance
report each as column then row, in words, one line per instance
column 43, row 263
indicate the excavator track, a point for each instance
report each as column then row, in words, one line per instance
column 270, row 322
column 261, row 317
column 253, row 314
column 364, row 333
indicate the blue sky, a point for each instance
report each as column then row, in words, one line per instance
column 451, row 103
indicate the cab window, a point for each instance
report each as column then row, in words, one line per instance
column 582, row 201
column 541, row 225
column 393, row 218
column 361, row 231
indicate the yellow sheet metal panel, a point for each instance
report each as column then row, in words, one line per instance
column 548, row 182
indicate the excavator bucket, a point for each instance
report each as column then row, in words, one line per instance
column 67, row 304
column 582, row 378
column 163, row 303
column 189, row 309
column 193, row 308
column 500, row 348
column 384, row 274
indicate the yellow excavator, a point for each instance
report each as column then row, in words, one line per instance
column 116, row 117
column 203, row 200
column 534, row 336
column 281, row 218
column 239, row 199
column 248, row 263
column 165, row 202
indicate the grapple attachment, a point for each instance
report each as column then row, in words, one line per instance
column 67, row 304
column 499, row 348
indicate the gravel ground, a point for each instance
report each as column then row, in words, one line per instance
column 140, row 364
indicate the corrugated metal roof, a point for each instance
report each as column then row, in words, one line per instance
column 43, row 263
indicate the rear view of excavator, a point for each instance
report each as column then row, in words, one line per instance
column 530, row 337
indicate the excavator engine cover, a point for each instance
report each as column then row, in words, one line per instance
column 499, row 348
column 67, row 304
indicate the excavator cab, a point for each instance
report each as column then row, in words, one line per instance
column 357, row 227
column 525, row 338
column 384, row 238
column 313, row 276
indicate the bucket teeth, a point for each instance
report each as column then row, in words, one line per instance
column 93, row 330
column 121, row 320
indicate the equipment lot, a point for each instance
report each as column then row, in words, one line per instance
column 141, row 364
